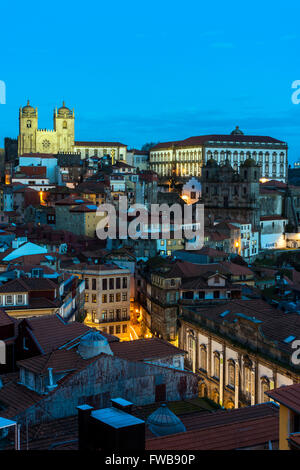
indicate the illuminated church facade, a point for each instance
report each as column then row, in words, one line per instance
column 60, row 139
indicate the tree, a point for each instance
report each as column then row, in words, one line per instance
column 148, row 146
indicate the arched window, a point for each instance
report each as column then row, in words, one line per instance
column 203, row 357
column 202, row 390
column 65, row 125
column 229, row 405
column 217, row 364
column 265, row 387
column 281, row 169
column 231, row 373
column 216, row 396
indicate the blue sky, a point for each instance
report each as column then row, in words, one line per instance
column 137, row 72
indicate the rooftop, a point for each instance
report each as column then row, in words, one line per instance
column 288, row 396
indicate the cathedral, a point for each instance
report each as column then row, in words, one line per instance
column 34, row 140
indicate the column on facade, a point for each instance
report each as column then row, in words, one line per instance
column 221, row 384
column 197, row 352
column 209, row 357
column 253, row 385
column 236, row 384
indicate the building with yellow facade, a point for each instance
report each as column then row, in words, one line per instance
column 31, row 139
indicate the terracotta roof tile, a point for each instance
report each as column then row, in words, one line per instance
column 288, row 396
column 51, row 332
column 250, row 433
column 145, row 349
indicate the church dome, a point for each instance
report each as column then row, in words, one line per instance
column 28, row 109
column 64, row 110
column 237, row 131
column 249, row 162
column 211, row 162
column 93, row 344
column 163, row 422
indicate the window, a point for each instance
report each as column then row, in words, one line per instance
column 111, row 297
column 104, row 284
column 86, row 283
column 104, row 298
column 118, row 329
column 28, row 124
column 9, row 299
column 216, row 365
column 94, row 284
column 265, row 387
column 111, row 315
column 111, row 330
column 124, row 282
column 124, row 296
column 118, row 283
column 247, row 380
column 124, row 328
column 231, row 373
column 216, row 294
column 94, row 298
column 94, row 313
column 86, row 297
column 118, row 314
column 111, row 283
column 25, row 343
column 124, row 314
column 203, row 357
column 104, row 315
column 19, row 299
column 65, row 125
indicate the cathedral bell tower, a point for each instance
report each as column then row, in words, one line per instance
column 28, row 124
column 64, row 120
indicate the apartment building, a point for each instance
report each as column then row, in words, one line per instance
column 107, row 297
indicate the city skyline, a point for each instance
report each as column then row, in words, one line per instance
column 147, row 75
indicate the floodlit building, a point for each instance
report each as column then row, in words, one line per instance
column 185, row 158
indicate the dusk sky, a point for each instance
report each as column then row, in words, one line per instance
column 163, row 70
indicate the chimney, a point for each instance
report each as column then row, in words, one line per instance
column 110, row 429
column 122, row 404
column 84, row 427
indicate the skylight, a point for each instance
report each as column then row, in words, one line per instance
column 289, row 339
column 224, row 313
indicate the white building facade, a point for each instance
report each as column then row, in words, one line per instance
column 186, row 157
